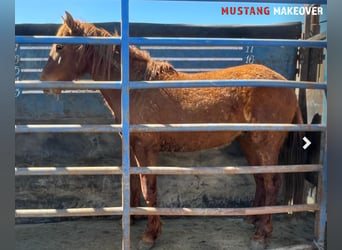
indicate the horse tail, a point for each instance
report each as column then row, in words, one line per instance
column 292, row 153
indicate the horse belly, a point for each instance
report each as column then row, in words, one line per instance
column 195, row 141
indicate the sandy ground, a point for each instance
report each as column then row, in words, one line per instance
column 179, row 233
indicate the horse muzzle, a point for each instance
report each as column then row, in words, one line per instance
column 52, row 91
column 43, row 77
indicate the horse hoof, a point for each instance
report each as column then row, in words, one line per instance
column 257, row 245
column 145, row 245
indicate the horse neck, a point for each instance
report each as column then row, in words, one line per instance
column 141, row 67
column 112, row 72
column 113, row 100
column 101, row 69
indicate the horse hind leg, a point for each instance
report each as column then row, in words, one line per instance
column 262, row 148
column 259, row 198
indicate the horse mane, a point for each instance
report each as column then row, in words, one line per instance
column 105, row 57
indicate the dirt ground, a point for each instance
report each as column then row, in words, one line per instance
column 179, row 233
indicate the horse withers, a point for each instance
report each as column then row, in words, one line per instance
column 182, row 105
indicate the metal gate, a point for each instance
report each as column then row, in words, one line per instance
column 125, row 128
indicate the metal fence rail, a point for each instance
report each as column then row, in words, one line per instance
column 112, row 170
column 35, row 84
column 109, row 211
column 125, row 128
column 172, row 41
column 72, row 128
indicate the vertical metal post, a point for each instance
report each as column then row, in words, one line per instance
column 304, row 67
column 125, row 124
column 321, row 215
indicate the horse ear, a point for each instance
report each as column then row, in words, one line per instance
column 69, row 21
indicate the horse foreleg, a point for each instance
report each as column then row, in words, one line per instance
column 135, row 182
column 135, row 187
column 149, row 190
column 135, row 195
column 135, row 191
column 147, row 156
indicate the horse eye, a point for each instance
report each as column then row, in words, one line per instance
column 59, row 46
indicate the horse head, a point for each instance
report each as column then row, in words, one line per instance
column 69, row 62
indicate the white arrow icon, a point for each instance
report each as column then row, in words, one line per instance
column 307, row 143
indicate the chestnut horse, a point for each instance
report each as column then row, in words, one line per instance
column 182, row 105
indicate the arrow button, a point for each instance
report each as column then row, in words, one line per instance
column 307, row 143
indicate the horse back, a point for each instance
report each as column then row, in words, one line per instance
column 219, row 104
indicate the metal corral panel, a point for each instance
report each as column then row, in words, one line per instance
column 72, row 108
